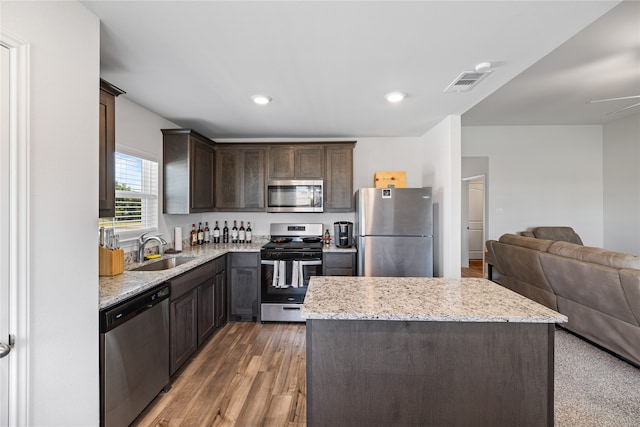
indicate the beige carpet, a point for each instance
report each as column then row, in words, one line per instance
column 592, row 387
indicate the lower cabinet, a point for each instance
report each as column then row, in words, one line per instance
column 243, row 287
column 339, row 264
column 183, row 336
column 197, row 308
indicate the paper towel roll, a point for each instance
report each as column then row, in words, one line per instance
column 177, row 245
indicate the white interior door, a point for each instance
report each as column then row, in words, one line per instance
column 476, row 218
column 4, row 232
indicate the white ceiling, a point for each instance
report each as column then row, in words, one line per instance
column 327, row 65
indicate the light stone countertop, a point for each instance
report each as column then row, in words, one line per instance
column 115, row 289
column 420, row 299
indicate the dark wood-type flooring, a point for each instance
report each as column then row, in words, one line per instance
column 474, row 270
column 247, row 375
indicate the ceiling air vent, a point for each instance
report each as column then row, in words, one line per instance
column 465, row 81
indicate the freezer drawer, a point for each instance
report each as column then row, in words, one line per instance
column 382, row 256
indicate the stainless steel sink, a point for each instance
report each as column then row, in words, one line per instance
column 164, row 264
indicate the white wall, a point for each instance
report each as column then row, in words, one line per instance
column 622, row 185
column 541, row 175
column 441, row 170
column 138, row 132
column 63, row 294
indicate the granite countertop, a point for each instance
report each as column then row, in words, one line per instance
column 333, row 248
column 420, row 299
column 115, row 289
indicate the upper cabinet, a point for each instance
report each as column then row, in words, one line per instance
column 240, row 171
column 338, row 184
column 329, row 161
column 189, row 172
column 106, row 169
column 296, row 162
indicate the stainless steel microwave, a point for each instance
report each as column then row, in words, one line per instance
column 294, row 195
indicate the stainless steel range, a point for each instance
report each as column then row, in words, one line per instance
column 293, row 255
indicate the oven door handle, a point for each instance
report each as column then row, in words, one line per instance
column 305, row 263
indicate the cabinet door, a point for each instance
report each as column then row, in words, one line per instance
column 106, row 191
column 229, row 178
column 339, row 264
column 202, row 176
column 184, row 333
column 253, row 185
column 244, row 287
column 221, row 299
column 339, row 179
column 207, row 303
column 281, row 162
column 309, row 162
column 240, row 179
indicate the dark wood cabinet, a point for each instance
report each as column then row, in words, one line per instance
column 188, row 172
column 338, row 185
column 309, row 162
column 243, row 286
column 221, row 299
column 296, row 162
column 197, row 309
column 184, row 329
column 240, row 172
column 106, row 168
column 339, row 264
column 206, row 309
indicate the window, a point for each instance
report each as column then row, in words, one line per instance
column 136, row 195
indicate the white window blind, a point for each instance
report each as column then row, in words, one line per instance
column 136, row 195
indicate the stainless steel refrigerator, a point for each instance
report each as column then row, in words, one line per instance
column 394, row 231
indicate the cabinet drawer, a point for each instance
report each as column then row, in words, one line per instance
column 338, row 260
column 244, row 260
column 189, row 280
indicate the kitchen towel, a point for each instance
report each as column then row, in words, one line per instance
column 177, row 239
column 274, row 282
column 282, row 274
column 294, row 273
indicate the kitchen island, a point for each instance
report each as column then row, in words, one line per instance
column 426, row 351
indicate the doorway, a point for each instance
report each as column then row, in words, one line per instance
column 4, row 232
column 473, row 226
column 14, row 217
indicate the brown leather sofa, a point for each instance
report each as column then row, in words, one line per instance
column 598, row 290
column 565, row 234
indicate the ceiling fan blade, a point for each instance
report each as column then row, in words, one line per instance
column 614, row 99
column 623, row 109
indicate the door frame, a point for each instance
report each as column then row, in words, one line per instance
column 19, row 230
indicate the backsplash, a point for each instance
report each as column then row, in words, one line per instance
column 131, row 255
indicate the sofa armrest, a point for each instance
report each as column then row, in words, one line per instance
column 630, row 280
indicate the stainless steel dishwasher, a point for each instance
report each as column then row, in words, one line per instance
column 134, row 355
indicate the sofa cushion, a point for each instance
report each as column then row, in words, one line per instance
column 595, row 255
column 526, row 242
column 565, row 234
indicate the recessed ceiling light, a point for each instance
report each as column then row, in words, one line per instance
column 261, row 99
column 395, row 96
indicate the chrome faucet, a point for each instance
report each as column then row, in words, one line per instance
column 142, row 242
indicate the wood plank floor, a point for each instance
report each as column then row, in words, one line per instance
column 247, row 375
column 474, row 270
